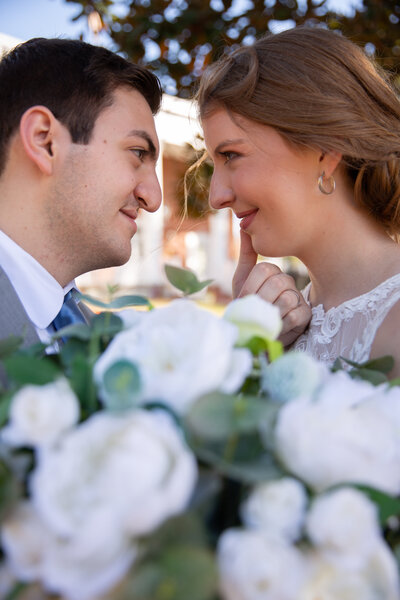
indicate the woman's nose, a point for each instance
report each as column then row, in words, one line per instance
column 221, row 194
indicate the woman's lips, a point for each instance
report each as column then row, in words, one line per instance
column 247, row 218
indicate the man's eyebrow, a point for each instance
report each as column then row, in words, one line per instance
column 143, row 134
column 228, row 143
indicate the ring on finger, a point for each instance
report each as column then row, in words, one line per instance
column 297, row 296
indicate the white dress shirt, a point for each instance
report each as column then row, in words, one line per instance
column 40, row 294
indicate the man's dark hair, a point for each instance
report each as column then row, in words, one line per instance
column 73, row 79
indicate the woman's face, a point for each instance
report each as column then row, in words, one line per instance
column 270, row 185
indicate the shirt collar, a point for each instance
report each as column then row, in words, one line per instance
column 40, row 294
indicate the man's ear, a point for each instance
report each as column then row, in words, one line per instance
column 329, row 161
column 37, row 129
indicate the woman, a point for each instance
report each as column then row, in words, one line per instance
column 304, row 133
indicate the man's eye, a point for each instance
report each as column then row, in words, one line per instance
column 139, row 152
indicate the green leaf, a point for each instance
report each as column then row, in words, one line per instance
column 374, row 377
column 388, row 506
column 121, row 385
column 251, row 472
column 217, row 416
column 10, row 490
column 5, row 403
column 185, row 280
column 106, row 324
column 81, row 331
column 384, row 364
column 179, row 573
column 31, row 370
column 9, row 345
column 337, row 366
column 18, row 589
column 274, row 349
column 118, row 303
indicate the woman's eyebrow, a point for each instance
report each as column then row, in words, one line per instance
column 228, row 143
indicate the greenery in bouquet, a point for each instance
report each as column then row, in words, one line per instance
column 170, row 453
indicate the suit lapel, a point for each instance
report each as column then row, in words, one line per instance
column 13, row 318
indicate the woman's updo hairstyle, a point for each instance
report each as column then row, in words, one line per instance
column 319, row 90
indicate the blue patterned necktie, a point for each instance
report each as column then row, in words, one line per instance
column 69, row 313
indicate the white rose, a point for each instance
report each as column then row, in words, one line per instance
column 277, row 508
column 89, row 563
column 134, row 469
column 254, row 317
column 343, row 524
column 333, row 581
column 348, row 432
column 39, row 415
column 292, row 375
column 182, row 352
column 252, row 567
column 81, row 566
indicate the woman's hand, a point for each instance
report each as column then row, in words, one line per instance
column 269, row 282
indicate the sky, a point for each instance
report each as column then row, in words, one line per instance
column 25, row 19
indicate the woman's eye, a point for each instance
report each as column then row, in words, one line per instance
column 229, row 156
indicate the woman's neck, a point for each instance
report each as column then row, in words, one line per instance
column 350, row 260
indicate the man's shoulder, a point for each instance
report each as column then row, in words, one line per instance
column 13, row 318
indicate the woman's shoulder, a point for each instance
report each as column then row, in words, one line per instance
column 387, row 338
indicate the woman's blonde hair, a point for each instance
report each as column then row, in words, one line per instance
column 319, row 90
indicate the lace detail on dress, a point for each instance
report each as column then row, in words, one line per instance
column 349, row 329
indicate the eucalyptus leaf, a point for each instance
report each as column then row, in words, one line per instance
column 117, row 303
column 185, row 280
column 81, row 331
column 217, row 416
column 121, row 385
column 106, row 324
column 251, row 472
column 31, row 370
column 81, row 380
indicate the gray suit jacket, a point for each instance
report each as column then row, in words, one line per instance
column 13, row 318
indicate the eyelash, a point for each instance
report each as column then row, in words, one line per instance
column 229, row 155
column 141, row 153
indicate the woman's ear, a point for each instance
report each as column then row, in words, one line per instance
column 329, row 161
column 36, row 129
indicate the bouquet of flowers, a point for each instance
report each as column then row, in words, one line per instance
column 172, row 454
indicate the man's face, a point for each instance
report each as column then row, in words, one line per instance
column 99, row 188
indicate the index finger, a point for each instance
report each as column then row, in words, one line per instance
column 247, row 260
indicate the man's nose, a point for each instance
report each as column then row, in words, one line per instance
column 148, row 193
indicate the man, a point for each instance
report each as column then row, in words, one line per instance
column 78, row 149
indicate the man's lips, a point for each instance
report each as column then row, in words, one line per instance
column 247, row 217
column 131, row 215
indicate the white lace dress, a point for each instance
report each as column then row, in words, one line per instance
column 349, row 329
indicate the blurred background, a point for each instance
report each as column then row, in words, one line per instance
column 177, row 39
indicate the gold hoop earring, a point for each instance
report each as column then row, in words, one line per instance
column 331, row 184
